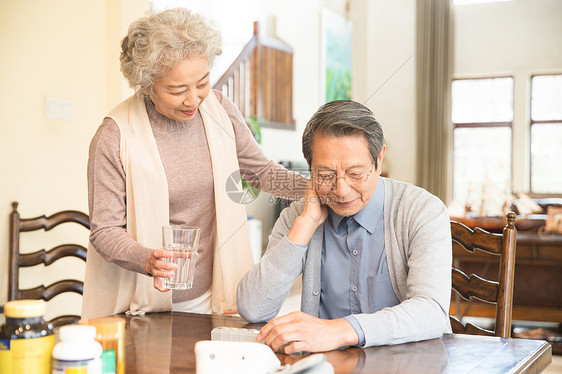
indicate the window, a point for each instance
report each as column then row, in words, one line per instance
column 482, row 115
column 469, row 2
column 546, row 133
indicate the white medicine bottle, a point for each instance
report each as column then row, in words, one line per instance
column 77, row 351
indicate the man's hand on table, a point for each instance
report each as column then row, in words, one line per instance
column 301, row 332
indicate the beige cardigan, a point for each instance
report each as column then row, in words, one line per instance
column 110, row 289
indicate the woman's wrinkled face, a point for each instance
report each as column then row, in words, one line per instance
column 179, row 92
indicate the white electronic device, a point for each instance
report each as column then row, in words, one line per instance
column 219, row 357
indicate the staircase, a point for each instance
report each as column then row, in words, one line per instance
column 260, row 82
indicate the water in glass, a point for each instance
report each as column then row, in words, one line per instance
column 185, row 258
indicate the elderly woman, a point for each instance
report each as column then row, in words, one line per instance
column 164, row 156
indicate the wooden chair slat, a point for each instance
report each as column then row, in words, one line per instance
column 45, row 257
column 476, row 286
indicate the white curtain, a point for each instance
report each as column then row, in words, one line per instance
column 434, row 51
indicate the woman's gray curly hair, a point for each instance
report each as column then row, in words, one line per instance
column 159, row 41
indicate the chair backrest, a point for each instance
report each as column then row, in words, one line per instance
column 500, row 292
column 18, row 259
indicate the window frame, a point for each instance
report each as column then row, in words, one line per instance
column 508, row 124
column 537, row 122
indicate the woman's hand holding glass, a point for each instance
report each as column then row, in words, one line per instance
column 158, row 268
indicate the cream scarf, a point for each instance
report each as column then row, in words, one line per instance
column 110, row 289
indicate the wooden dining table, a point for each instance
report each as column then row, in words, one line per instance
column 164, row 343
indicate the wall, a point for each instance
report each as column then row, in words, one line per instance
column 516, row 38
column 390, row 81
column 68, row 50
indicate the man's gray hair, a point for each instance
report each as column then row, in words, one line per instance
column 159, row 41
column 343, row 118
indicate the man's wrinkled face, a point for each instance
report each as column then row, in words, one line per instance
column 345, row 170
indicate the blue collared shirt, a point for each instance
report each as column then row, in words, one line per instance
column 355, row 277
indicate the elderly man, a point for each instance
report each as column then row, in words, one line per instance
column 374, row 253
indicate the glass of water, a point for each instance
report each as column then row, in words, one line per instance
column 182, row 241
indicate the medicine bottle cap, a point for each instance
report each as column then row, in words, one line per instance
column 76, row 344
column 25, row 308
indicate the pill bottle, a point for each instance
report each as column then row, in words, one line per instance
column 77, row 351
column 26, row 340
column 110, row 333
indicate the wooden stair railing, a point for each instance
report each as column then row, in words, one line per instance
column 260, row 82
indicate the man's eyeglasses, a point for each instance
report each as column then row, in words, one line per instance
column 331, row 179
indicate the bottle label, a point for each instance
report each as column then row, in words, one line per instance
column 92, row 366
column 26, row 355
column 108, row 361
column 5, row 356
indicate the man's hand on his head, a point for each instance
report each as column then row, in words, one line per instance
column 313, row 215
column 313, row 205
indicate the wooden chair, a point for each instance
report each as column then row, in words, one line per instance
column 501, row 292
column 18, row 259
